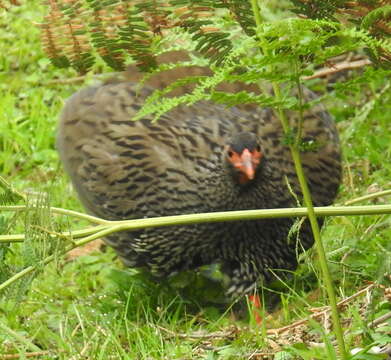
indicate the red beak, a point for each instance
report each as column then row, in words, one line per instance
column 247, row 163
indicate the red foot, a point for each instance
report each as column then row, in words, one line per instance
column 255, row 300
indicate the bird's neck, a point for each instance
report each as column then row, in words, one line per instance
column 230, row 194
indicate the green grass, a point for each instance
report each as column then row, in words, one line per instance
column 92, row 308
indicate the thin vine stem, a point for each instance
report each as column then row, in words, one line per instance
column 308, row 203
column 368, row 197
column 60, row 211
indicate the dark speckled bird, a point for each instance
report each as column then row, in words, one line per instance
column 200, row 158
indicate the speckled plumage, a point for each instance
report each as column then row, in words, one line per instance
column 123, row 170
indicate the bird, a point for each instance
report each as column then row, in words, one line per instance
column 197, row 158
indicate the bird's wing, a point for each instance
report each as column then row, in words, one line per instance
column 136, row 169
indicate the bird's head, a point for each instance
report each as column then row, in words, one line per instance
column 243, row 154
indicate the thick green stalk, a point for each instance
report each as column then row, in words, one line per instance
column 99, row 231
column 189, row 219
column 321, row 252
column 316, row 233
column 308, row 203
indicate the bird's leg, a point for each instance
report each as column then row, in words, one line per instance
column 237, row 273
column 256, row 307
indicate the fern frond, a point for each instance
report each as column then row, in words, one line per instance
column 372, row 15
column 317, row 9
column 64, row 36
column 244, row 97
column 197, row 18
column 75, row 31
column 157, row 105
column 241, row 10
column 380, row 17
column 304, row 42
column 8, row 195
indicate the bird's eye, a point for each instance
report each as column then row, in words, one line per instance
column 258, row 148
column 230, row 153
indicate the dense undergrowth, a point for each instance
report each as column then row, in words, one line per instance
column 89, row 306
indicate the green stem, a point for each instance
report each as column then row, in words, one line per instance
column 59, row 211
column 301, row 97
column 189, row 219
column 308, row 203
column 256, row 12
column 11, row 238
column 321, row 252
column 5, row 185
column 115, row 226
column 368, row 197
column 315, row 230
column 74, row 234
